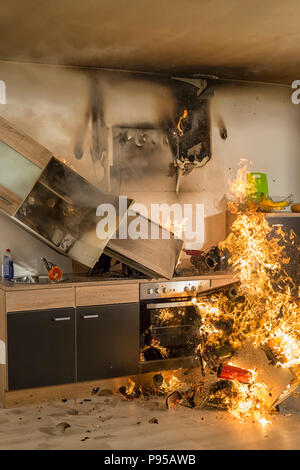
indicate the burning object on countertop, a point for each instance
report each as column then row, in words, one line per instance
column 213, row 259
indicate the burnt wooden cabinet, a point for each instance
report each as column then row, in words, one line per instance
column 41, row 348
column 107, row 341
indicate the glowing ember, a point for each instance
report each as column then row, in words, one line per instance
column 173, row 314
column 170, row 385
column 130, row 387
column 155, row 344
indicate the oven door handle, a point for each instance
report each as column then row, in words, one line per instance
column 170, row 304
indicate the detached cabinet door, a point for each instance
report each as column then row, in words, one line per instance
column 41, row 348
column 107, row 341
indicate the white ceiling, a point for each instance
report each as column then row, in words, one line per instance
column 249, row 39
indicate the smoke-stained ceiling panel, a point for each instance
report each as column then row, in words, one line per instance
column 250, row 40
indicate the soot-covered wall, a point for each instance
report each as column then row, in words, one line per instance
column 59, row 106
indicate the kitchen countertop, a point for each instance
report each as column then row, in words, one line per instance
column 75, row 280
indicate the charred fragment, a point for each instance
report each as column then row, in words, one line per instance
column 158, row 380
column 173, row 399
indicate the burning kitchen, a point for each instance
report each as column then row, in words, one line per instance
column 210, row 322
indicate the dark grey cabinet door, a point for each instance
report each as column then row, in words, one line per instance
column 41, row 348
column 107, row 341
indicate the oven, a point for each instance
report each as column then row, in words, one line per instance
column 169, row 324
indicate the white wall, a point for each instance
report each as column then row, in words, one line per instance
column 264, row 127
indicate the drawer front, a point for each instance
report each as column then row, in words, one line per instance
column 41, row 348
column 109, row 294
column 40, row 299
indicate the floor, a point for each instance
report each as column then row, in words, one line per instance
column 111, row 423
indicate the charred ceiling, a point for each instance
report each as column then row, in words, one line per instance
column 250, row 40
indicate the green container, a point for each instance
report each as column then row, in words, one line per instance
column 259, row 182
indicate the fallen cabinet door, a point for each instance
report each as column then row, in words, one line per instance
column 41, row 348
column 155, row 257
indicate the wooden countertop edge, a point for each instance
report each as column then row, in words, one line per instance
column 64, row 285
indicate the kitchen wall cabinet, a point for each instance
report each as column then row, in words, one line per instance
column 107, row 341
column 22, row 160
column 51, row 200
column 41, row 348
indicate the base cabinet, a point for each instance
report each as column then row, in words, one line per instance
column 68, row 345
column 41, row 348
column 107, row 341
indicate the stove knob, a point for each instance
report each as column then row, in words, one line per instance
column 157, row 290
column 193, row 288
column 187, row 288
column 150, row 291
column 164, row 290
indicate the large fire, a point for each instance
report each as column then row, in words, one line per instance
column 247, row 334
column 266, row 311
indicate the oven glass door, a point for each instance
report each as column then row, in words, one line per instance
column 168, row 329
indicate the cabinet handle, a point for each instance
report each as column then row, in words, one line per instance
column 6, row 201
column 62, row 319
column 87, row 317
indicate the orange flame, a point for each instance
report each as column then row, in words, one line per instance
column 268, row 313
column 184, row 115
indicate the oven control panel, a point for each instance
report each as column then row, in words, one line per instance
column 160, row 290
